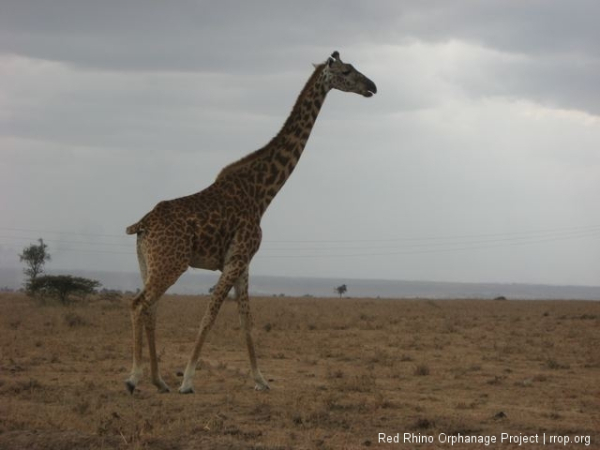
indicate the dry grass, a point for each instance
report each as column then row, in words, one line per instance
column 341, row 372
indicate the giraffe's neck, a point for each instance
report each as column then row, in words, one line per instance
column 265, row 171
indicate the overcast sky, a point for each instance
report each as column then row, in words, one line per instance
column 478, row 159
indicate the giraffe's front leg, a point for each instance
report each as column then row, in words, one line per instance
column 261, row 383
column 219, row 294
column 241, row 292
column 231, row 272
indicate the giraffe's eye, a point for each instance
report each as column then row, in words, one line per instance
column 346, row 72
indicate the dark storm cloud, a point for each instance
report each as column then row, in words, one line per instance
column 558, row 38
column 141, row 35
column 149, row 34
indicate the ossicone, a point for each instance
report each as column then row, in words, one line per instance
column 335, row 56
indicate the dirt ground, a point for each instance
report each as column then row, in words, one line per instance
column 344, row 373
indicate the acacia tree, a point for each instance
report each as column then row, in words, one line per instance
column 34, row 256
column 63, row 287
column 341, row 290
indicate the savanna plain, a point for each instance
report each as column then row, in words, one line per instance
column 342, row 373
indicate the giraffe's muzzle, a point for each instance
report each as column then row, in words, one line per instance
column 370, row 88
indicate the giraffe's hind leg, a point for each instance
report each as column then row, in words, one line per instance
column 150, row 326
column 136, row 321
column 143, row 316
column 162, row 261
column 137, row 327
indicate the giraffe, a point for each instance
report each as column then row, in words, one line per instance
column 218, row 228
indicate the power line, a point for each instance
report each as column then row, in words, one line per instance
column 588, row 228
column 428, row 245
column 432, row 251
column 437, row 238
column 61, row 241
column 515, row 239
column 572, row 234
column 75, row 233
column 78, row 250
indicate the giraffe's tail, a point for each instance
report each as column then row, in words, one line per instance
column 135, row 228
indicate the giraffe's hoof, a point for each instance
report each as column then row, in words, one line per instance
column 130, row 386
column 262, row 387
column 186, row 390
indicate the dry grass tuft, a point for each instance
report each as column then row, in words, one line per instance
column 73, row 319
column 422, row 370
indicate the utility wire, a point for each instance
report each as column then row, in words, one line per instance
column 31, row 230
column 589, row 228
column 437, row 238
column 414, row 244
column 411, row 246
column 430, row 251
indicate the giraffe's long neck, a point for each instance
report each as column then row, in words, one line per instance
column 266, row 170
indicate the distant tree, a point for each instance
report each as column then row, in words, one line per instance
column 341, row 290
column 34, row 256
column 62, row 287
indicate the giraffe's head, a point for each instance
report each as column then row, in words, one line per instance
column 344, row 77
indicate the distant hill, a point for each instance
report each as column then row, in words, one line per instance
column 199, row 282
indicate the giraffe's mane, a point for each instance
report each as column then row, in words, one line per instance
column 258, row 153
